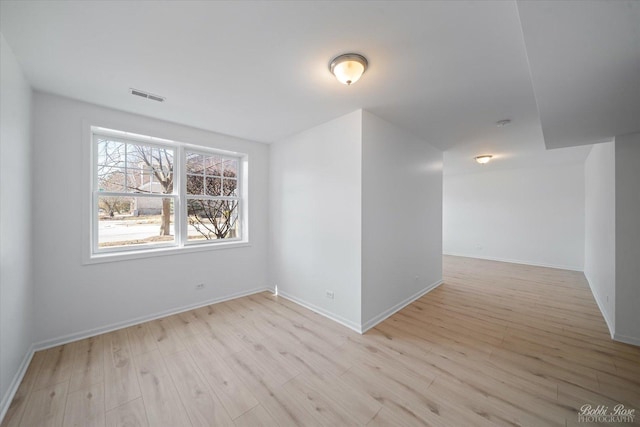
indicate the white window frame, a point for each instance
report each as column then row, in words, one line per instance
column 181, row 244
column 185, row 197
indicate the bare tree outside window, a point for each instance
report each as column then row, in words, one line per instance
column 136, row 168
column 215, row 178
column 113, row 181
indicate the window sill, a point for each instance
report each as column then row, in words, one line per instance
column 158, row 252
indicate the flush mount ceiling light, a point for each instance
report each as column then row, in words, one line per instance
column 484, row 159
column 348, row 68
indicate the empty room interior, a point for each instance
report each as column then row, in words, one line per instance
column 283, row 213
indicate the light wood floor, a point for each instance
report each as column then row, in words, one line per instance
column 496, row 344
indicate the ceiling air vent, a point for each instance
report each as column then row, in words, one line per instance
column 143, row 94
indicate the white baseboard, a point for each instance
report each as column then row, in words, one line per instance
column 612, row 330
column 515, row 261
column 42, row 345
column 402, row 304
column 15, row 383
column 360, row 328
column 608, row 321
column 345, row 322
column 627, row 340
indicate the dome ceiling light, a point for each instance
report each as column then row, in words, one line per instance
column 484, row 159
column 348, row 68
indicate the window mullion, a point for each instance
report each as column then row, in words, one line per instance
column 126, row 167
column 179, row 173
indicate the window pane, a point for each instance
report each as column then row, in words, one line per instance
column 213, row 185
column 212, row 219
column 110, row 153
column 162, row 160
column 213, row 165
column 147, row 157
column 147, row 181
column 195, row 163
column 134, row 180
column 138, row 156
column 111, row 179
column 195, row 184
column 129, row 221
column 230, row 187
column 231, row 168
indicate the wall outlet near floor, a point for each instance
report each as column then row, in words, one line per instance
column 328, row 294
column 199, row 286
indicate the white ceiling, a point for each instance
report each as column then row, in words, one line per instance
column 445, row 71
column 585, row 66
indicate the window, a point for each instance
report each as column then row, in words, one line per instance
column 149, row 193
column 212, row 196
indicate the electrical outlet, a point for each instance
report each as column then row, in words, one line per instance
column 329, row 294
column 199, row 286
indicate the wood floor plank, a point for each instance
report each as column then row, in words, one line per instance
column 284, row 409
column 85, row 407
column 187, row 323
column 323, row 407
column 360, row 406
column 256, row 417
column 167, row 338
column 387, row 417
column 161, row 399
column 394, row 396
column 235, row 396
column 498, row 412
column 88, row 363
column 275, row 369
column 202, row 405
column 141, row 339
column 120, row 382
column 305, row 357
column 45, row 407
column 248, row 333
column 225, row 341
column 56, row 366
column 130, row 414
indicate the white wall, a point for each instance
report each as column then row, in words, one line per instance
column 600, row 228
column 71, row 297
column 16, row 281
column 627, row 252
column 401, row 218
column 531, row 216
column 315, row 217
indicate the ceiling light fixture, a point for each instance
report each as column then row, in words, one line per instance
column 484, row 159
column 348, row 68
